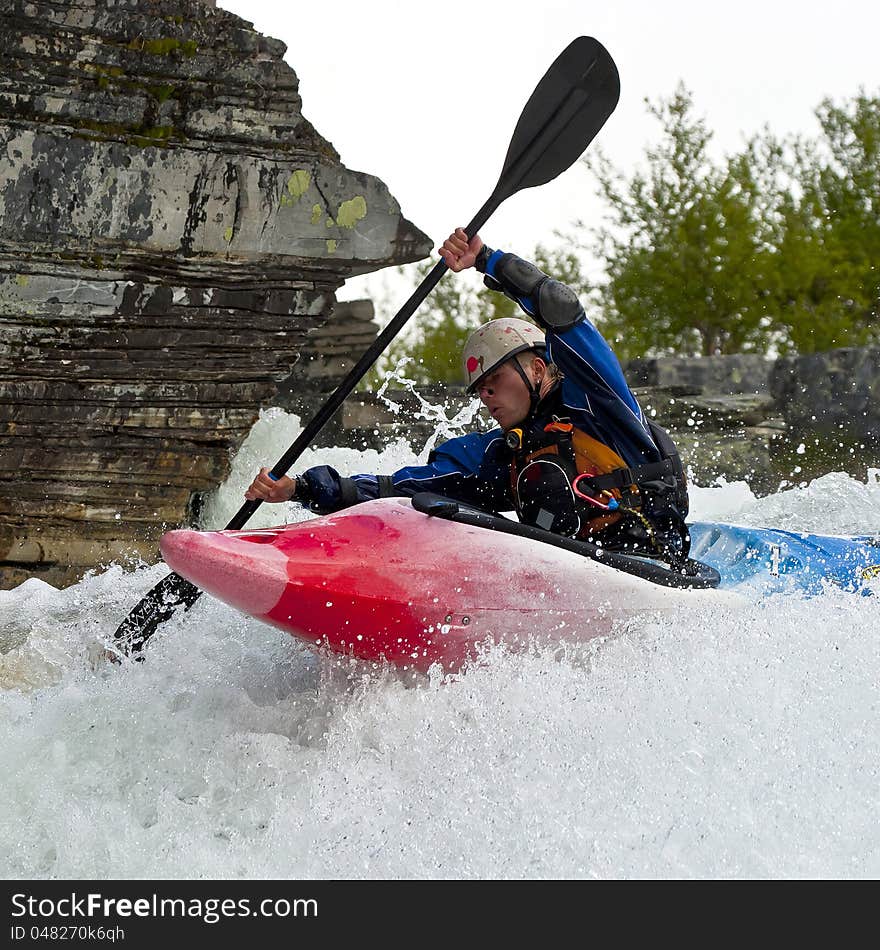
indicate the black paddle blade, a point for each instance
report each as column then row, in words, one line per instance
column 564, row 114
column 158, row 606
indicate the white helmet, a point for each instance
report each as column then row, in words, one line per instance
column 496, row 342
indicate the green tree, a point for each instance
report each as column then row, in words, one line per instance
column 829, row 248
column 687, row 259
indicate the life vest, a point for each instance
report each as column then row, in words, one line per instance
column 567, row 482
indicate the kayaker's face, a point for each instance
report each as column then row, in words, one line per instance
column 504, row 394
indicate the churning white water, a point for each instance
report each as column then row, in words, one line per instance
column 707, row 744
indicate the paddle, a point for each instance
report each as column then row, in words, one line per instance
column 563, row 115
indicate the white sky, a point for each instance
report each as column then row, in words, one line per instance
column 426, row 96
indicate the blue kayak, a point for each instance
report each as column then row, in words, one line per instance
column 785, row 560
column 721, row 555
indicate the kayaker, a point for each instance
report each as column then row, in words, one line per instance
column 573, row 452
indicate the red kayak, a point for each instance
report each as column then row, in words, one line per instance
column 382, row 580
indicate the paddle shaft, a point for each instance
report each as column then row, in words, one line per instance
column 506, row 186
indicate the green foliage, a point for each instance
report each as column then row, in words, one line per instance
column 829, row 253
column 771, row 248
column 686, row 251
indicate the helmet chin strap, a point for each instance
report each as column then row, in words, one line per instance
column 533, row 388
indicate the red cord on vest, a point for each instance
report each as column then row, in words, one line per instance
column 613, row 503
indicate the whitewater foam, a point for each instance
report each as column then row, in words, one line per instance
column 712, row 743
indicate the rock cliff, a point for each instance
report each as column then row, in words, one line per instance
column 172, row 230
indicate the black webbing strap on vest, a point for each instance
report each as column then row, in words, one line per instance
column 622, row 478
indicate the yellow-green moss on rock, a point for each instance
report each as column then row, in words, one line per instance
column 352, row 211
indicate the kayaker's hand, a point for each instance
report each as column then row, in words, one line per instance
column 458, row 252
column 264, row 488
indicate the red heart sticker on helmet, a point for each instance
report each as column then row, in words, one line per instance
column 472, row 364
